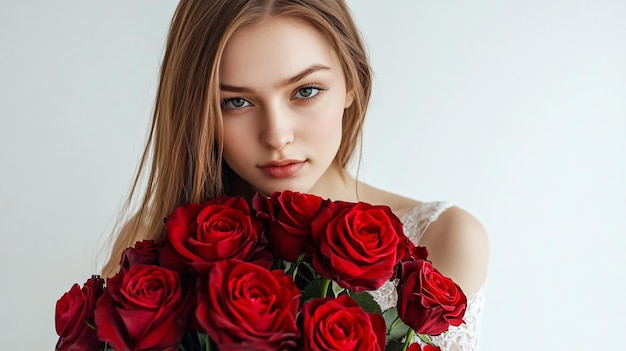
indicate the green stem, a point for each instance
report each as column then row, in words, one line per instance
column 208, row 343
column 300, row 258
column 205, row 341
column 409, row 337
column 325, row 286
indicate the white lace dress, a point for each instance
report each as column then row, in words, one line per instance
column 463, row 337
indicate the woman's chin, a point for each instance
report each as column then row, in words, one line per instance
column 269, row 190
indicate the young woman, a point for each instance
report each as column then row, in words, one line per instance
column 270, row 95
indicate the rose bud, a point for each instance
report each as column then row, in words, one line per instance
column 144, row 252
column 288, row 215
column 74, row 317
column 429, row 302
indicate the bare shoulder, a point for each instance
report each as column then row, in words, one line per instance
column 400, row 205
column 458, row 247
column 457, row 242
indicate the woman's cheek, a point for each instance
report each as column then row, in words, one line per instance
column 323, row 121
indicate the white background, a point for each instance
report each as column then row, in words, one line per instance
column 514, row 110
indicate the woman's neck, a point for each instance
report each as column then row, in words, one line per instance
column 337, row 184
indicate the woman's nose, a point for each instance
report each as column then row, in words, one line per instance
column 277, row 131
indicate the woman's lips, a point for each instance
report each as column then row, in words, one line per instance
column 282, row 169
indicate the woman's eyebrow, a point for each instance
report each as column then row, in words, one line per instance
column 306, row 72
column 297, row 77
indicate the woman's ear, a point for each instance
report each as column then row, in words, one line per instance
column 349, row 98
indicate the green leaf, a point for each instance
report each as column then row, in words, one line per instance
column 398, row 331
column 278, row 264
column 424, row 338
column 306, row 265
column 325, row 285
column 289, row 267
column 337, row 289
column 313, row 289
column 303, row 275
column 366, row 301
column 394, row 345
column 390, row 316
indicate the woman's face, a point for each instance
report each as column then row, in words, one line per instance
column 283, row 96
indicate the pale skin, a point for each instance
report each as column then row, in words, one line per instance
column 283, row 94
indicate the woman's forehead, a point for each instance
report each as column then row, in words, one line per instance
column 274, row 51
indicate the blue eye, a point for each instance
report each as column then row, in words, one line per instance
column 307, row 92
column 235, row 103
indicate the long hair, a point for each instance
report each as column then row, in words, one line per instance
column 182, row 158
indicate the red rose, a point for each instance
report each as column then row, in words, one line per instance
column 202, row 234
column 429, row 302
column 417, row 347
column 357, row 245
column 289, row 215
column 244, row 306
column 341, row 324
column 144, row 252
column 416, row 253
column 74, row 317
column 142, row 309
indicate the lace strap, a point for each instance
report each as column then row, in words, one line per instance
column 416, row 221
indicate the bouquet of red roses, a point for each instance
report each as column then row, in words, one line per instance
column 291, row 272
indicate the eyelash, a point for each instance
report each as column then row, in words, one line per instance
column 319, row 88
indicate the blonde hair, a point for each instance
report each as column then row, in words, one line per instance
column 183, row 153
